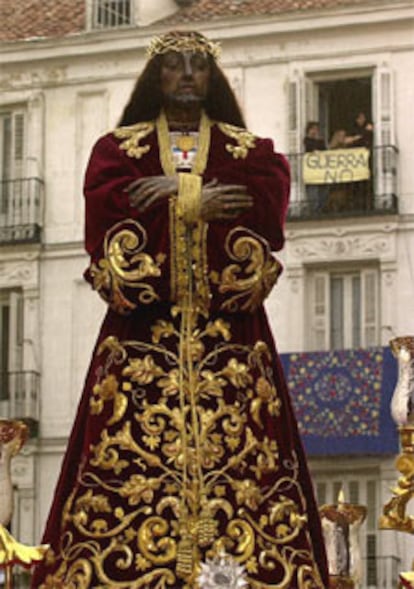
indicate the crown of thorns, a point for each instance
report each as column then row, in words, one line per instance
column 183, row 41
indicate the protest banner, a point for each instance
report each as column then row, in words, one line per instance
column 336, row 166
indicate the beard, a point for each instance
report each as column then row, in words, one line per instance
column 185, row 101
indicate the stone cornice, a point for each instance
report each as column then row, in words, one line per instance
column 342, row 244
column 232, row 29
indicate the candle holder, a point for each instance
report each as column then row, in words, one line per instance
column 394, row 516
column 340, row 525
column 13, row 435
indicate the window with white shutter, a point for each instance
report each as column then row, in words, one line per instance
column 12, row 162
column 4, row 346
column 12, row 144
column 334, row 98
column 383, row 106
column 319, row 312
column 370, row 306
column 11, row 346
column 343, row 309
column 384, row 136
column 294, row 118
column 295, row 123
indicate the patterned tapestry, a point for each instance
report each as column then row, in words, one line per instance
column 342, row 400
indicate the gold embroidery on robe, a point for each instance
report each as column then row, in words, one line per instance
column 244, row 139
column 132, row 136
column 126, row 265
column 188, row 263
column 173, row 481
column 184, row 466
column 254, row 274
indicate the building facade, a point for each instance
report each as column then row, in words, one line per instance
column 66, row 72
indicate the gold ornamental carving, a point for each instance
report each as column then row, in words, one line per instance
column 13, row 435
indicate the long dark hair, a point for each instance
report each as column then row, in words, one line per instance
column 146, row 100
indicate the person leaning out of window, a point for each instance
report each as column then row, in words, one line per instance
column 316, row 194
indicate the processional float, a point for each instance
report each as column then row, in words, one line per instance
column 13, row 435
column 395, row 516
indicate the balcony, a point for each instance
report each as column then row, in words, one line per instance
column 20, row 210
column 19, row 397
column 373, row 197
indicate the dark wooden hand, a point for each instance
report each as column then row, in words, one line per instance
column 145, row 192
column 224, row 201
column 218, row 201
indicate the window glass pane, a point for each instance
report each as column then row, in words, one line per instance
column 371, row 308
column 321, row 493
column 5, row 122
column 356, row 311
column 371, row 505
column 12, row 152
column 318, row 311
column 371, row 560
column 320, row 295
column 370, row 297
column 4, row 349
column 337, row 314
column 293, row 106
column 18, row 136
column 354, row 492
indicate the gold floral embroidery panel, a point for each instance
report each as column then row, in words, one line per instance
column 184, row 467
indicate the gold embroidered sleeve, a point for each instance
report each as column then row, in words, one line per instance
column 124, row 276
column 246, row 281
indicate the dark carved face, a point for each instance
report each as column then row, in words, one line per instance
column 185, row 78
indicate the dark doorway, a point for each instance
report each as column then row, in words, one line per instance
column 340, row 101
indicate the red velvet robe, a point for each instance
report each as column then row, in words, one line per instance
column 185, row 444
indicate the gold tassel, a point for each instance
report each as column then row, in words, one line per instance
column 206, row 528
column 185, row 556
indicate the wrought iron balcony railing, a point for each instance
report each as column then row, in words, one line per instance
column 20, row 210
column 19, row 395
column 376, row 196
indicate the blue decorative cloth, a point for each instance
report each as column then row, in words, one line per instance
column 342, row 400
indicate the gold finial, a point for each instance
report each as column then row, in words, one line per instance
column 183, row 41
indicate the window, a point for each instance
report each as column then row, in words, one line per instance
column 12, row 147
column 334, row 98
column 343, row 309
column 21, row 193
column 12, row 159
column 12, row 144
column 339, row 102
column 378, row 570
column 11, row 345
column 108, row 14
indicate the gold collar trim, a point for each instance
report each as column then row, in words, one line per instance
column 200, row 160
